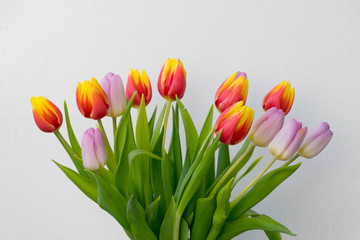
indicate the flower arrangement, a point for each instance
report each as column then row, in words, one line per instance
column 177, row 193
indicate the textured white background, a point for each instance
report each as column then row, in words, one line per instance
column 47, row 47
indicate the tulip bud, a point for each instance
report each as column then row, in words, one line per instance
column 91, row 99
column 115, row 92
column 288, row 140
column 140, row 84
column 93, row 149
column 281, row 97
column 266, row 127
column 232, row 90
column 316, row 140
column 47, row 116
column 172, row 79
column 235, row 123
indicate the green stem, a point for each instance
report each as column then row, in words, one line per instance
column 242, row 193
column 230, row 171
column 111, row 163
column 65, row 144
column 166, row 121
column 114, row 125
column 177, row 226
column 291, row 160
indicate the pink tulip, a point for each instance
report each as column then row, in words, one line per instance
column 288, row 140
column 316, row 140
column 266, row 127
column 93, row 149
column 115, row 92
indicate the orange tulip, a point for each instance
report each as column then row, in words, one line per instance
column 281, row 97
column 91, row 99
column 140, row 84
column 172, row 79
column 47, row 116
column 235, row 123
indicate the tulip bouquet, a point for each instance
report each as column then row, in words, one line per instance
column 177, row 192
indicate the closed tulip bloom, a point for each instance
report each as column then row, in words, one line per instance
column 281, row 97
column 235, row 123
column 316, row 140
column 288, row 140
column 93, row 149
column 266, row 127
column 232, row 90
column 47, row 116
column 91, row 99
column 172, row 80
column 115, row 92
column 140, row 84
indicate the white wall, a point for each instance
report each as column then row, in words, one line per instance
column 47, row 47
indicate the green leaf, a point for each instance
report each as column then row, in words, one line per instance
column 153, row 216
column 139, row 152
column 167, row 169
column 198, row 176
column 121, row 129
column 136, row 217
column 205, row 208
column 223, row 159
column 221, row 211
column 176, row 145
column 152, row 121
column 184, row 230
column 242, row 149
column 187, row 165
column 210, row 175
column 248, row 170
column 155, row 134
column 87, row 186
column 190, row 130
column 112, row 201
column 167, row 226
column 273, row 235
column 261, row 189
column 73, row 141
column 205, row 131
column 261, row 222
column 155, row 173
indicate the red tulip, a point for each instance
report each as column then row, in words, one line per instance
column 47, row 116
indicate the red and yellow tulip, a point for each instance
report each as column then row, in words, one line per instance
column 232, row 90
column 91, row 99
column 281, row 97
column 235, row 123
column 47, row 116
column 172, row 80
column 140, row 84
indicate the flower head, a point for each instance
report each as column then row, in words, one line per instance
column 281, row 97
column 266, row 127
column 47, row 116
column 140, row 84
column 316, row 140
column 288, row 140
column 232, row 90
column 172, row 79
column 115, row 92
column 93, row 149
column 235, row 123
column 91, row 99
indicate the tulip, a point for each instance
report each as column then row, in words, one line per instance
column 235, row 123
column 281, row 97
column 47, row 116
column 93, row 149
column 140, row 84
column 91, row 99
column 232, row 90
column 266, row 127
column 288, row 140
column 115, row 92
column 172, row 79
column 316, row 140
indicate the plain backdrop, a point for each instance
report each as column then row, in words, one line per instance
column 47, row 47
